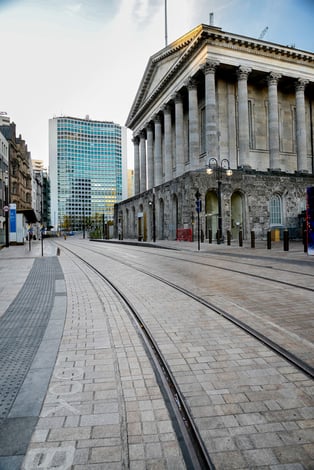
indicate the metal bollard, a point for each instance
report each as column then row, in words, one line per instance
column 268, row 240
column 252, row 239
column 58, row 251
column 286, row 240
column 240, row 238
column 228, row 237
column 304, row 241
column 210, row 236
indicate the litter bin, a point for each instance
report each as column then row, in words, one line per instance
column 275, row 235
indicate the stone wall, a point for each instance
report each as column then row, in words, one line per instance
column 246, row 193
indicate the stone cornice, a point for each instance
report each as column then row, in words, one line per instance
column 199, row 37
column 257, row 46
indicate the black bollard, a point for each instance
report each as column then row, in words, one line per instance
column 210, row 236
column 228, row 237
column 305, row 241
column 252, row 239
column 240, row 238
column 286, row 240
column 268, row 240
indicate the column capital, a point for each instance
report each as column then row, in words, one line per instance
column 166, row 108
column 143, row 134
column 210, row 66
column 149, row 126
column 273, row 78
column 300, row 84
column 243, row 72
column 191, row 83
column 177, row 97
column 136, row 140
column 156, row 118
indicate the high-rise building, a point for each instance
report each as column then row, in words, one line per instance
column 87, row 167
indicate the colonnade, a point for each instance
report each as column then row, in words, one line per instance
column 160, row 154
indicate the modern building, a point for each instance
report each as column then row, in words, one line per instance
column 87, row 168
column 214, row 101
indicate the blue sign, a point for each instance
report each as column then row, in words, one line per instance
column 13, row 218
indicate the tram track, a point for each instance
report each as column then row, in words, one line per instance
column 196, row 453
column 193, row 449
column 283, row 352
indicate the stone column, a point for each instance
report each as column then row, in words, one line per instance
column 211, row 109
column 273, row 121
column 168, row 143
column 243, row 115
column 143, row 161
column 300, row 125
column 180, row 161
column 194, row 140
column 136, row 143
column 157, row 152
column 150, row 156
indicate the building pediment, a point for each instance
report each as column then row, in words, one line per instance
column 161, row 66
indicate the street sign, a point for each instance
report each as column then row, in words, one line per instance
column 6, row 209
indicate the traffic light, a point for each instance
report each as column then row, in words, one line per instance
column 198, row 202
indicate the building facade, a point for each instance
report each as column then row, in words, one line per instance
column 217, row 99
column 87, row 169
column 41, row 196
column 4, row 182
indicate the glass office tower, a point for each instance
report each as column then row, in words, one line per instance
column 87, row 166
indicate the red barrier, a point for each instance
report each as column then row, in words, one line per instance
column 184, row 234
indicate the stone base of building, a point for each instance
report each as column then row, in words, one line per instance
column 248, row 201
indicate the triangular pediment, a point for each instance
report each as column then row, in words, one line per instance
column 161, row 65
column 160, row 70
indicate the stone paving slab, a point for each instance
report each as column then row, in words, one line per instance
column 104, row 408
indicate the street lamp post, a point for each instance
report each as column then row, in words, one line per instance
column 153, row 206
column 219, row 169
column 6, row 195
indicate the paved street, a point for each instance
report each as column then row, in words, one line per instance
column 70, row 382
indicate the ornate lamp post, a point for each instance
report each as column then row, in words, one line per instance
column 219, row 169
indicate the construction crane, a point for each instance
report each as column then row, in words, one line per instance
column 263, row 33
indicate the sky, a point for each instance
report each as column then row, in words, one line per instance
column 87, row 57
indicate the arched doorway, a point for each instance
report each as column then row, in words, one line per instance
column 237, row 222
column 211, row 214
column 161, row 219
column 140, row 223
column 174, row 217
column 133, row 223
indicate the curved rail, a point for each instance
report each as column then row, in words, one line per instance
column 283, row 352
column 194, row 450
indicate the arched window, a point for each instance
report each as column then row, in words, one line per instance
column 275, row 210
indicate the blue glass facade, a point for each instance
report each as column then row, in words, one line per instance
column 89, row 170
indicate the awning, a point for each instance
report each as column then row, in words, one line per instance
column 29, row 214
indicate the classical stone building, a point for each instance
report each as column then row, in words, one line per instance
column 214, row 99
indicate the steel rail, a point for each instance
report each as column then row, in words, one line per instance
column 283, row 352
column 194, row 451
